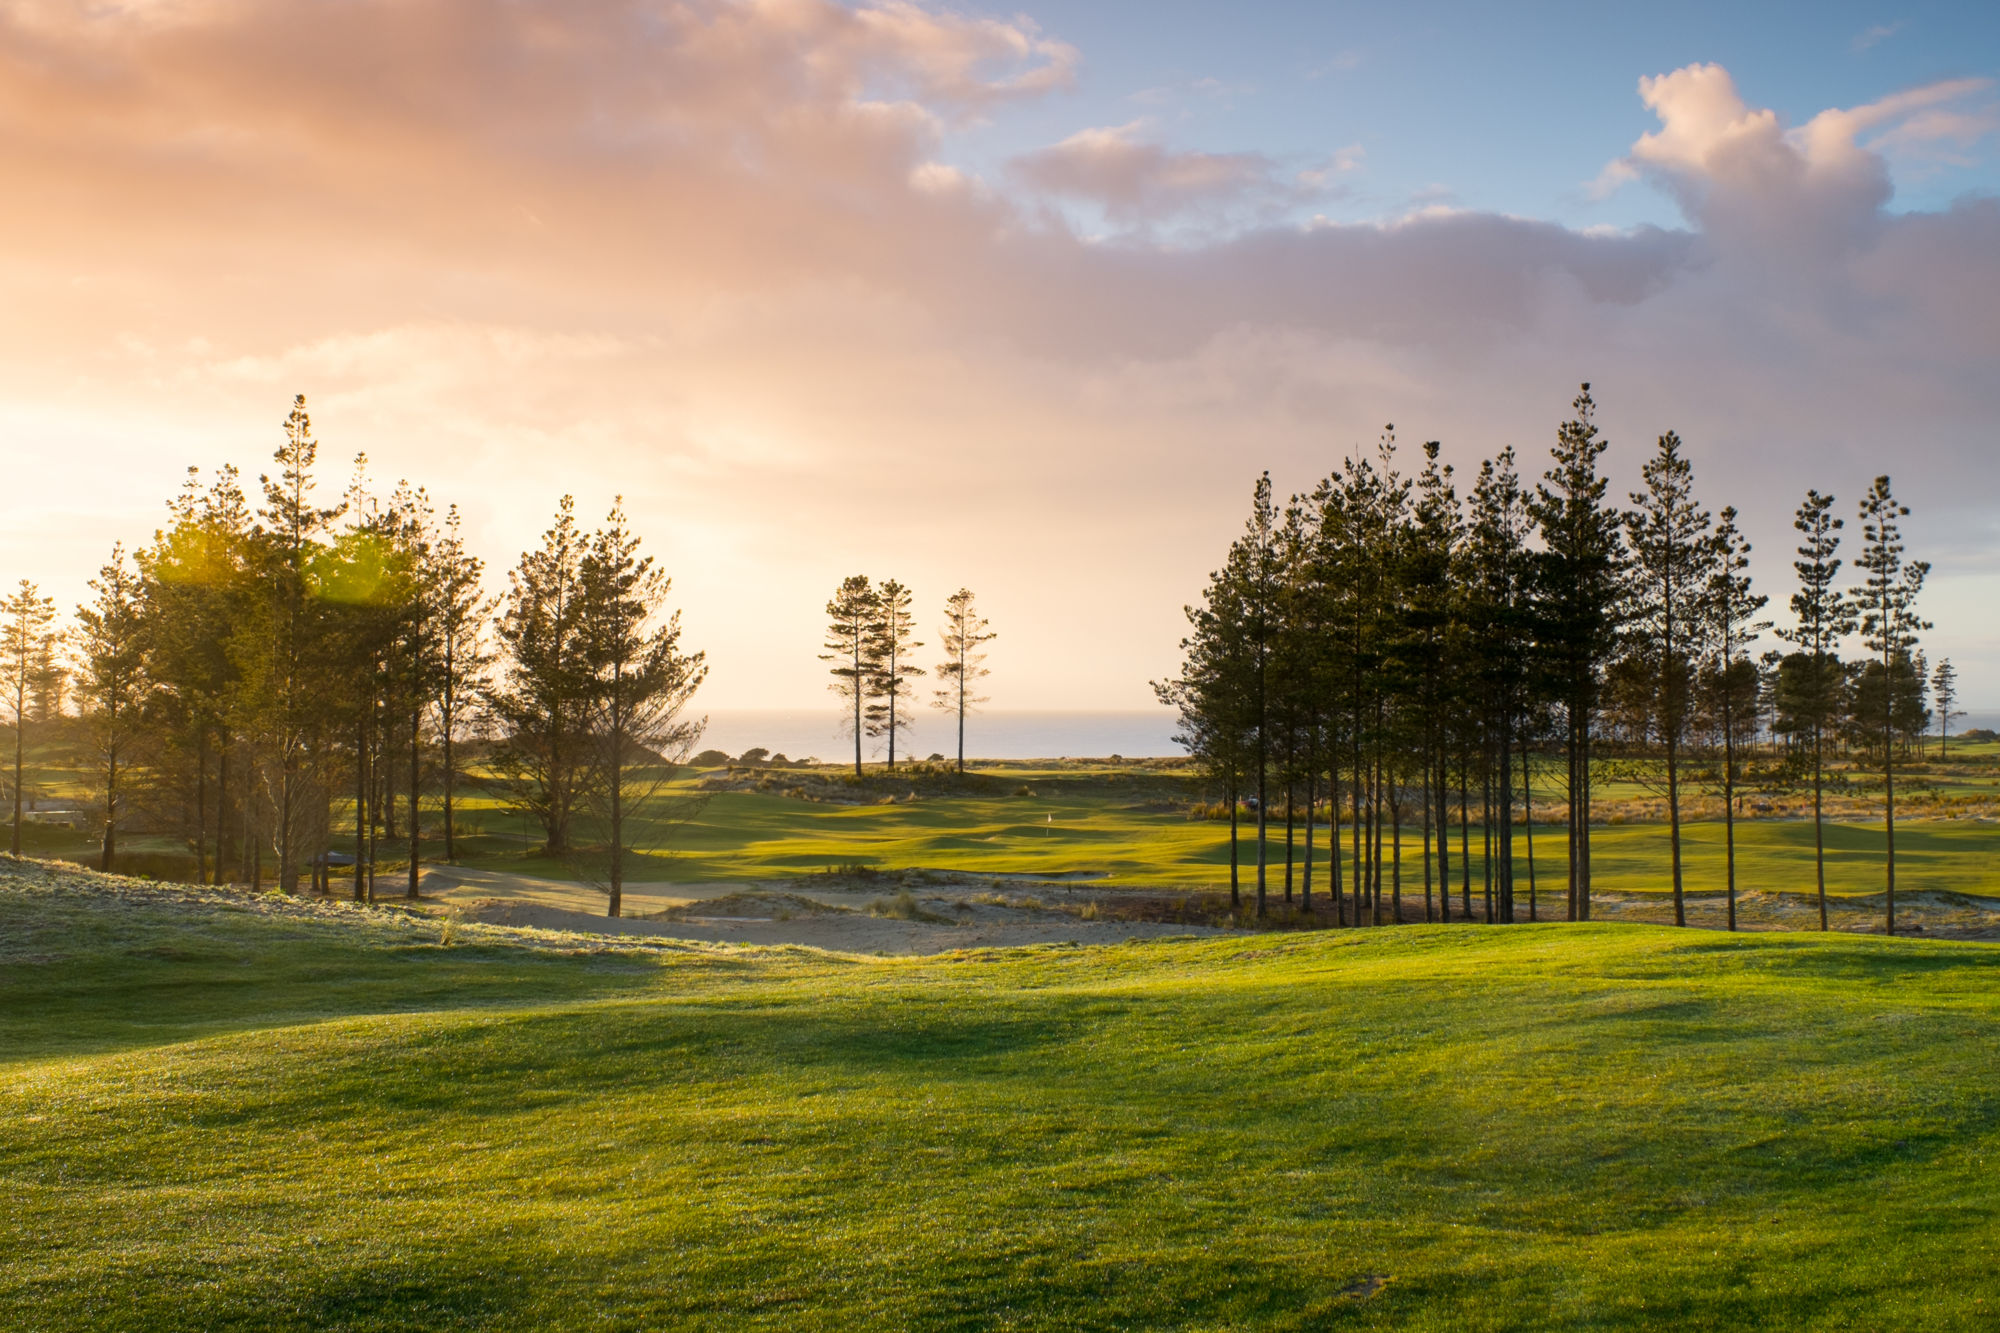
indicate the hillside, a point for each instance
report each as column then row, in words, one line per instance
column 221, row 1112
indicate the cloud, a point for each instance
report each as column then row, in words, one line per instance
column 713, row 255
column 1135, row 179
column 1875, row 36
column 1736, row 169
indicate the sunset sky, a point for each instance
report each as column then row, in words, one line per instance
column 1020, row 300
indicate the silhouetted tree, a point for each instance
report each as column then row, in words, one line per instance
column 1580, row 586
column 461, row 611
column 285, row 661
column 889, row 647
column 1822, row 618
column 641, row 682
column 965, row 630
column 1732, row 690
column 540, row 704
column 26, row 628
column 1673, row 559
column 112, row 684
column 850, row 647
column 1885, row 601
column 1944, row 689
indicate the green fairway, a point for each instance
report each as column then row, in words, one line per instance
column 1133, row 824
column 1132, row 829
column 219, row 1114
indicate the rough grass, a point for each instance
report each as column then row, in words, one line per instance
column 223, row 1113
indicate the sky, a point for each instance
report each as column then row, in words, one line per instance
column 1016, row 300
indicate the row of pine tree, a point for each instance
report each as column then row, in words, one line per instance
column 253, row 676
column 871, row 641
column 1387, row 654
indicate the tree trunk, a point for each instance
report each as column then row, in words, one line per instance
column 222, row 809
column 1312, row 816
column 1674, row 825
column 1334, row 878
column 201, row 806
column 1486, row 837
column 1504, row 783
column 1583, row 832
column 416, row 722
column 1395, row 852
column 1528, row 825
column 288, row 875
column 450, row 834
column 1235, row 851
column 1429, row 911
column 1263, row 810
column 1889, row 792
column 1443, row 776
column 1465, row 836
column 1819, row 826
column 1288, row 844
column 361, row 809
column 1729, row 792
column 110, row 811
column 20, row 731
column 617, row 904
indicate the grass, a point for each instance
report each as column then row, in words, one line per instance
column 1129, row 825
column 220, row 1112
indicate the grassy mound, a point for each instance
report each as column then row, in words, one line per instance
column 226, row 1113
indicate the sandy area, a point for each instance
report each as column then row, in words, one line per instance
column 868, row 919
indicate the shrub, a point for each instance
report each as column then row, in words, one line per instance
column 902, row 907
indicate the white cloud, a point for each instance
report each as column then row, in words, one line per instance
column 1135, row 179
column 709, row 255
column 1876, row 35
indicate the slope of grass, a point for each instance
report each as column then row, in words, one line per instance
column 224, row 1114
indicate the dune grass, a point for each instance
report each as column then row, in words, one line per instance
column 221, row 1113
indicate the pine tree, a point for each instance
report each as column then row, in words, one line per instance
column 1885, row 601
column 1822, row 618
column 1673, row 560
column 850, row 647
column 890, row 647
column 1580, row 587
column 1214, row 699
column 288, row 651
column 26, row 627
column 641, row 683
column 1732, row 606
column 1253, row 576
column 539, row 706
column 462, row 610
column 197, row 585
column 111, row 645
column 965, row 630
column 1496, row 571
column 1944, row 688
column 1432, row 565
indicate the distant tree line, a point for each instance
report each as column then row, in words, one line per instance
column 1385, row 652
column 259, row 682
column 870, row 640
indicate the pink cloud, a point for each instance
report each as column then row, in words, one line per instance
column 709, row 255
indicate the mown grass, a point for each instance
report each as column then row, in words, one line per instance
column 1129, row 825
column 222, row 1115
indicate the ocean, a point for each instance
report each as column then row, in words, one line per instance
column 1009, row 734
column 800, row 733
